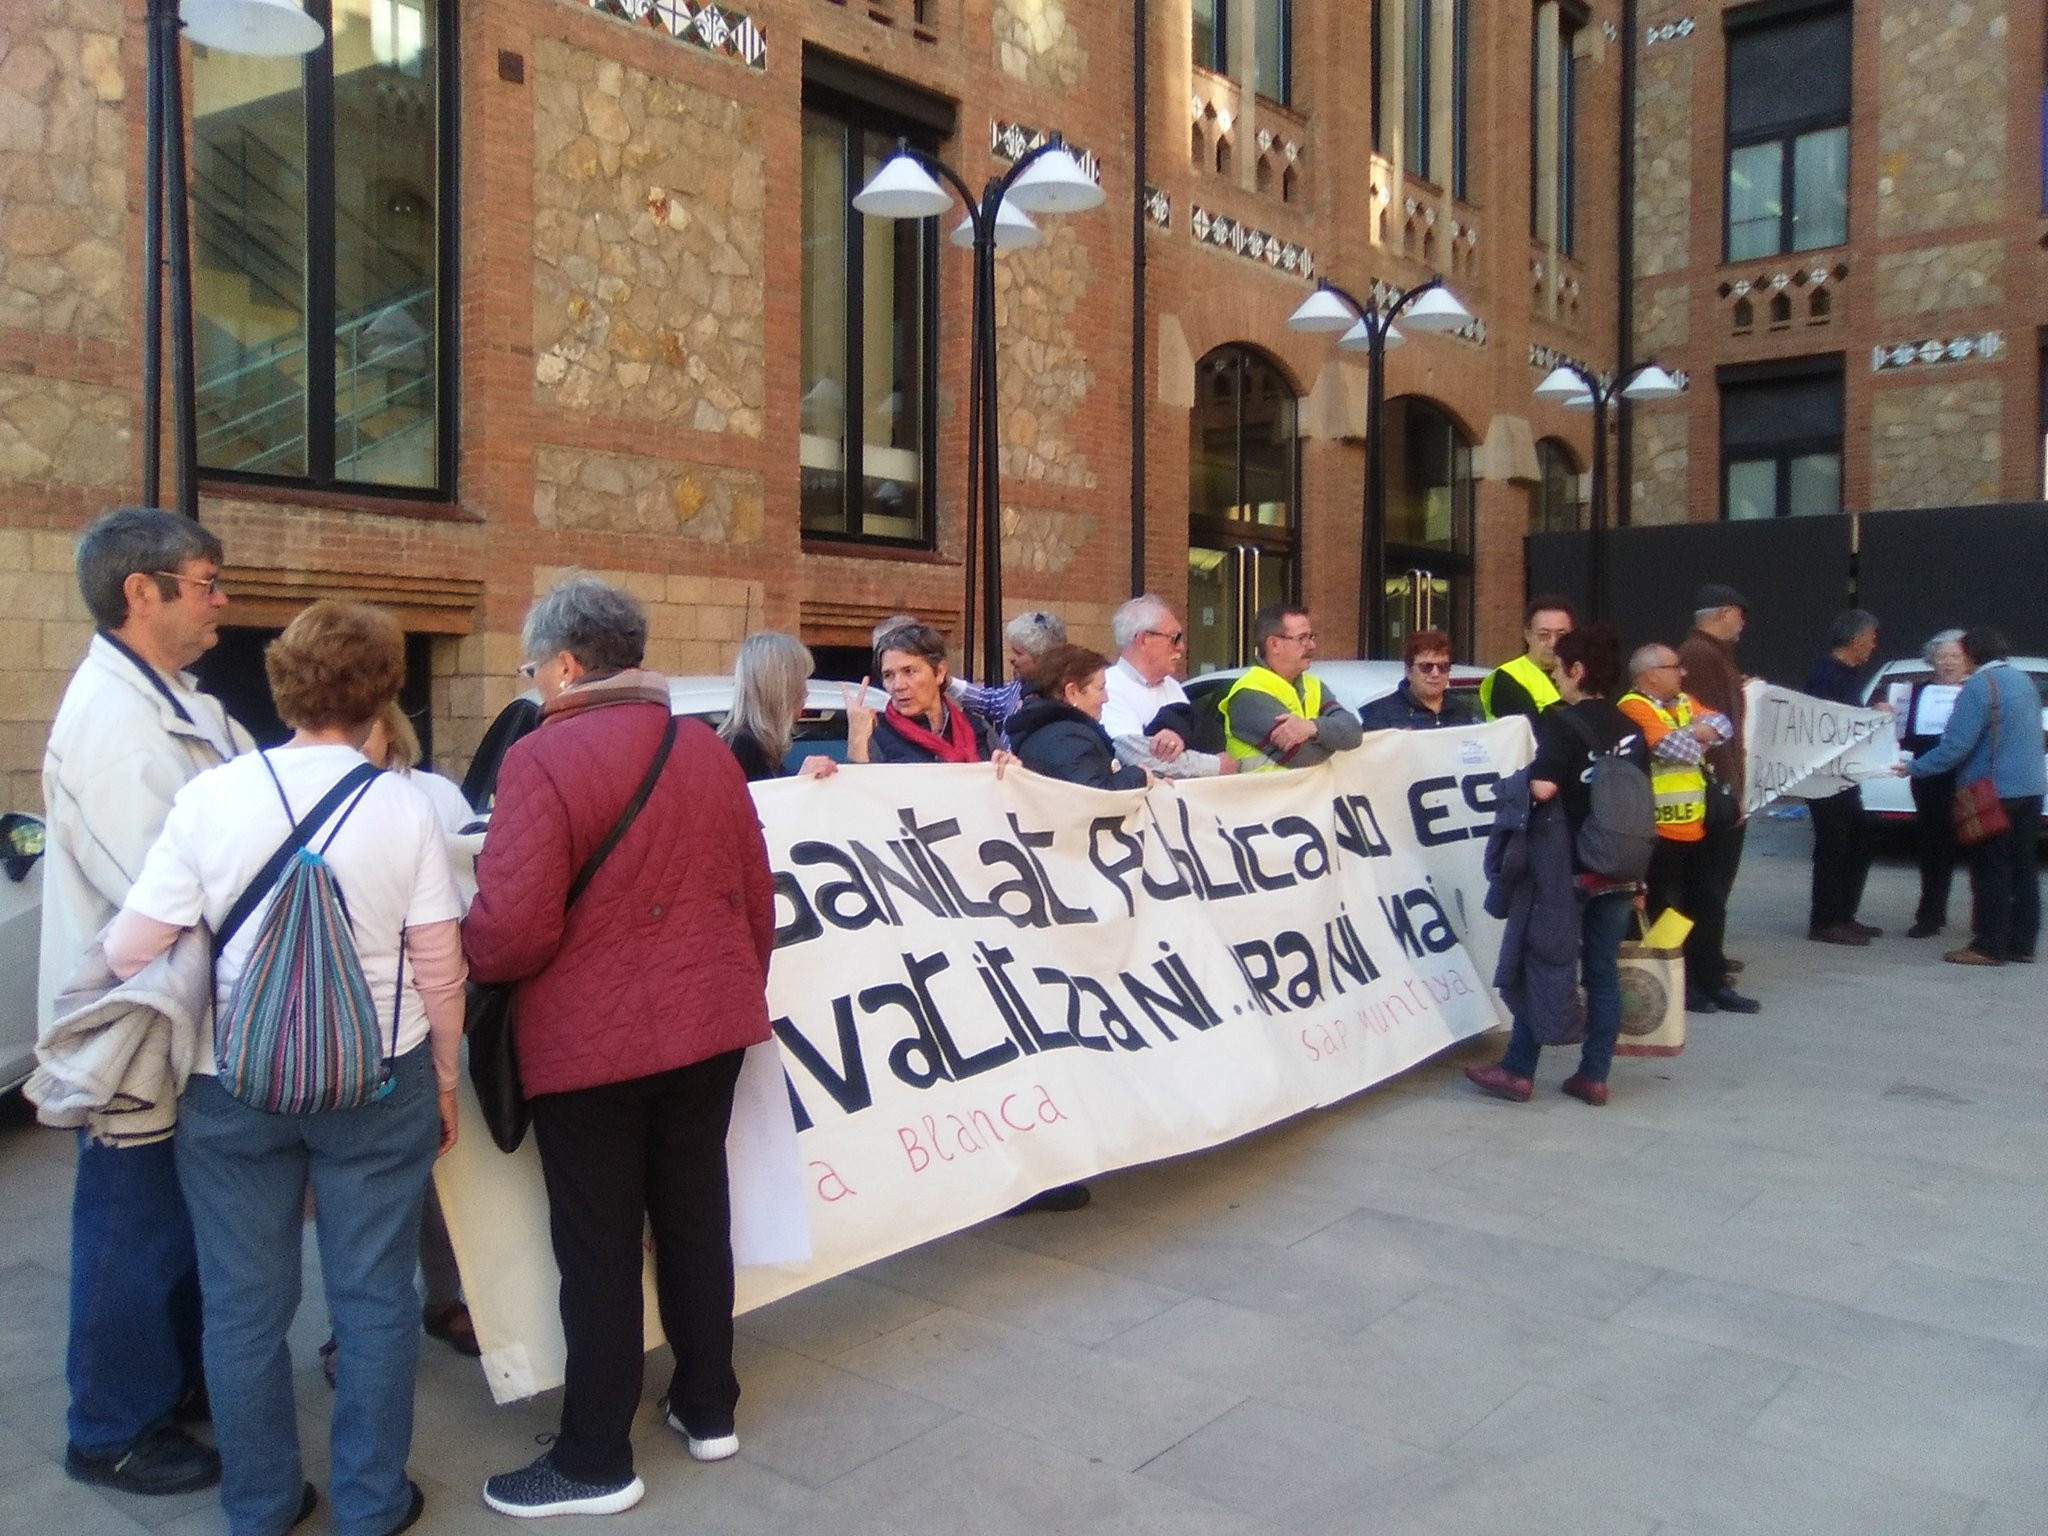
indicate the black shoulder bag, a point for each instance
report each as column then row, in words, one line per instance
column 488, row 1017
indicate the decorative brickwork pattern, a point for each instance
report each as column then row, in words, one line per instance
column 1940, row 277
column 627, row 493
column 647, row 262
column 1941, row 114
column 63, row 192
column 1937, row 445
column 1036, row 42
column 715, row 28
column 1043, row 372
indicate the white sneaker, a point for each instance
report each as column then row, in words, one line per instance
column 702, row 1448
column 540, row 1489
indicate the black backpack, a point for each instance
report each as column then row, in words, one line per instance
column 1619, row 833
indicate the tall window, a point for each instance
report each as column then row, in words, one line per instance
column 1788, row 132
column 321, row 253
column 1417, row 152
column 1781, row 439
column 1429, row 524
column 870, row 291
column 1212, row 35
column 1557, row 506
column 1553, row 122
column 1461, row 65
column 1243, row 540
column 1273, row 55
column 1567, row 130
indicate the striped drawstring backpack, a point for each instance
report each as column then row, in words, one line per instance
column 299, row 1033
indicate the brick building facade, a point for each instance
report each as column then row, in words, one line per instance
column 581, row 330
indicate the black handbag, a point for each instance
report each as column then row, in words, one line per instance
column 489, row 1018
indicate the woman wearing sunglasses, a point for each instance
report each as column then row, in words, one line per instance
column 1424, row 700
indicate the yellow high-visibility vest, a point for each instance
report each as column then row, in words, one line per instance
column 1534, row 680
column 1679, row 789
column 1307, row 701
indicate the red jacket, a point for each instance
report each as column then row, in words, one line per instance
column 664, row 959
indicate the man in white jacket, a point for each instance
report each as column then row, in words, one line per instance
column 132, row 730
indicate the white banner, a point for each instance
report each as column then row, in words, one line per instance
column 1810, row 748
column 983, row 988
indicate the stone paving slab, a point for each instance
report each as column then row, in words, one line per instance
column 1795, row 1280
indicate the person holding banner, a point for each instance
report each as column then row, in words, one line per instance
column 1423, row 701
column 636, row 1004
column 1841, row 837
column 1146, row 711
column 920, row 724
column 768, row 680
column 1059, row 732
column 1278, row 714
column 1587, row 667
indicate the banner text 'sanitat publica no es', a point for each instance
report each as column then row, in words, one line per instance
column 983, row 988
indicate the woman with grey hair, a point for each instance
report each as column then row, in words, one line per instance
column 919, row 724
column 1934, row 796
column 768, row 680
column 624, row 886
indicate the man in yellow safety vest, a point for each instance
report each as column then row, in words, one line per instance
column 1679, row 731
column 1523, row 686
column 1279, row 715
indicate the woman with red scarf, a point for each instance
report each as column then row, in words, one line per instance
column 919, row 725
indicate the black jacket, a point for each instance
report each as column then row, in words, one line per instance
column 1398, row 711
column 1061, row 742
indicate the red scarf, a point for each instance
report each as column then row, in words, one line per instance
column 956, row 746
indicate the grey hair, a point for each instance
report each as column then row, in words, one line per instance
column 1135, row 617
column 1937, row 641
column 1645, row 659
column 125, row 540
column 1036, row 633
column 1851, row 625
column 889, row 626
column 767, row 690
column 604, row 627
column 914, row 640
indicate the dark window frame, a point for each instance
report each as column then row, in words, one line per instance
column 1781, row 451
column 1749, row 21
column 1461, row 98
column 318, row 317
column 1218, row 61
column 1418, row 47
column 865, row 104
column 1285, row 98
column 1568, row 28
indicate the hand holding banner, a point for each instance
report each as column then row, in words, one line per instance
column 1810, row 748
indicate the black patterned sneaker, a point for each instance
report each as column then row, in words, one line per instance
column 538, row 1489
column 716, row 1447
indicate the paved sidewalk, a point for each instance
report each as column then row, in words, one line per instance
column 1795, row 1280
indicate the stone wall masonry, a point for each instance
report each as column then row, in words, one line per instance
column 53, row 431
column 1940, row 277
column 647, row 246
column 1662, row 461
column 1663, row 203
column 1042, row 541
column 1043, row 373
column 630, row 493
column 63, row 192
column 1037, row 42
column 43, row 633
column 1941, row 114
column 1662, row 318
column 1936, row 445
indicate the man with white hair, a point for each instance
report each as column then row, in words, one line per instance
column 1147, row 713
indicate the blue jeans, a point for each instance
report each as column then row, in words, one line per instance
column 245, row 1175
column 134, row 1341
column 1603, row 924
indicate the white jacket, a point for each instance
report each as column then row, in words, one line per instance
column 118, row 754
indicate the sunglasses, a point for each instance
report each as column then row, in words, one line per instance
column 1431, row 666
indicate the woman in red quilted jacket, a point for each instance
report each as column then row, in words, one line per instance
column 634, row 1008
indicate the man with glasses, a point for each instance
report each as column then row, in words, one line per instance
column 1146, row 711
column 1522, row 685
column 1279, row 715
column 1423, row 701
column 132, row 730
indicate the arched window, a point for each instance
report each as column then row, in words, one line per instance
column 1243, row 475
column 1557, row 506
column 1428, row 571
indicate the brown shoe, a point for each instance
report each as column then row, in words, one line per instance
column 1501, row 1083
column 1866, row 929
column 1839, row 933
column 1586, row 1091
column 1969, row 957
column 1732, row 967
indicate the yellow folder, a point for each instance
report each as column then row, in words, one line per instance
column 1669, row 931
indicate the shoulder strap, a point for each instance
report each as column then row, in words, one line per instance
column 1583, row 731
column 626, row 817
column 356, row 778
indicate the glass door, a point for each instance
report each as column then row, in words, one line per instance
column 1226, row 587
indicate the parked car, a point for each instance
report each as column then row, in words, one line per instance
column 21, row 927
column 1354, row 684
column 1898, row 683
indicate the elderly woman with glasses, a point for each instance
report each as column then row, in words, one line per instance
column 1423, row 701
column 635, row 1006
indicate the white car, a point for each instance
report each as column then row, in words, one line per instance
column 1354, row 684
column 1898, row 683
column 21, row 926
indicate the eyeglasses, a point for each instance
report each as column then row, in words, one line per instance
column 210, row 583
column 1171, row 637
column 1431, row 666
column 1306, row 637
column 528, row 668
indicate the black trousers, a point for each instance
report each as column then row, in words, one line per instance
column 1841, row 859
column 618, row 1158
column 1934, row 828
column 2005, row 874
column 1696, row 879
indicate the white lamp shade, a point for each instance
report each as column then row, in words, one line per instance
column 1054, row 183
column 1322, row 311
column 270, row 28
column 902, row 189
column 1559, row 384
column 1652, row 383
column 1014, row 229
column 1359, row 338
column 1583, row 401
column 1437, row 310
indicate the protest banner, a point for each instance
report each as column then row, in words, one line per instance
column 1810, row 748
column 983, row 988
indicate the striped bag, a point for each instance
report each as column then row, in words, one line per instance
column 299, row 1034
